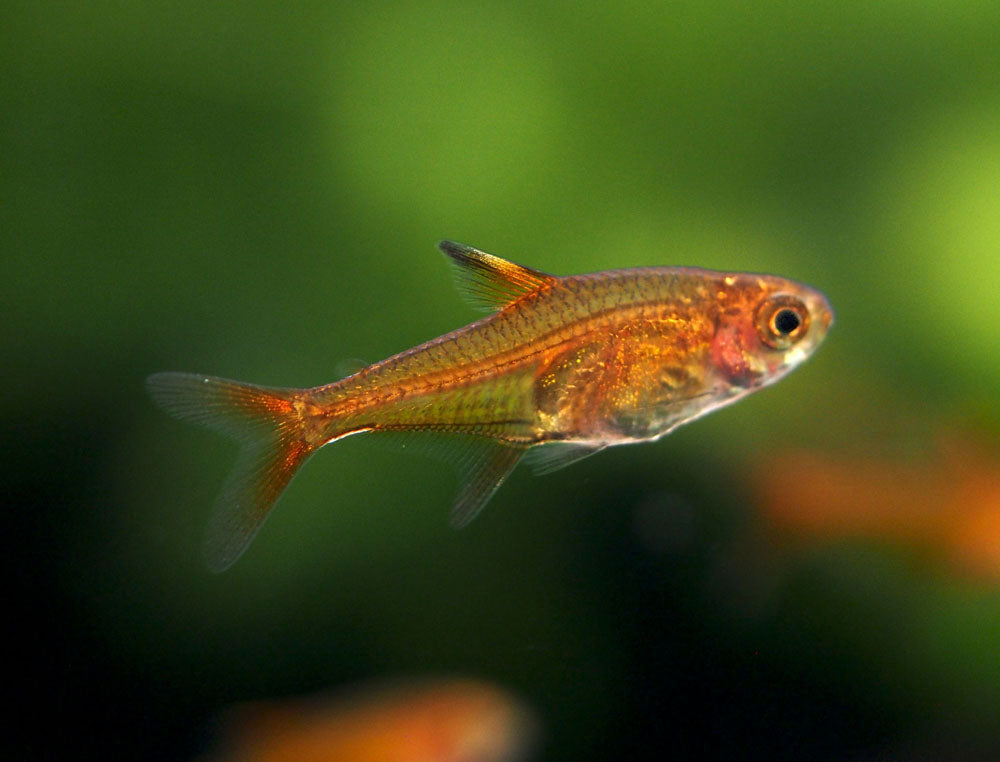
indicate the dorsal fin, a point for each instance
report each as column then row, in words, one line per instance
column 488, row 282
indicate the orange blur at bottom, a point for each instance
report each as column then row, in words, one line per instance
column 948, row 504
column 456, row 721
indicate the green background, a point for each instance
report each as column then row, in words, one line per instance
column 255, row 191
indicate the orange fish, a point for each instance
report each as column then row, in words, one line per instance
column 949, row 504
column 563, row 367
column 440, row 721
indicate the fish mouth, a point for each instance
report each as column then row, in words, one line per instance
column 821, row 312
column 826, row 315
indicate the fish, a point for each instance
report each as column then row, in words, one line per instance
column 560, row 368
column 944, row 505
column 428, row 719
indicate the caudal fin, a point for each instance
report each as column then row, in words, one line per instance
column 271, row 432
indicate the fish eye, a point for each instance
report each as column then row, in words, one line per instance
column 781, row 321
column 786, row 321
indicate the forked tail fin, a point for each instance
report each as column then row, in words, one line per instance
column 272, row 434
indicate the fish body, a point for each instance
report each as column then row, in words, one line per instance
column 438, row 720
column 945, row 504
column 561, row 367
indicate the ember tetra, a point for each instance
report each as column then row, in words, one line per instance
column 563, row 367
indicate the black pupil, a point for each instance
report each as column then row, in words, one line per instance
column 786, row 321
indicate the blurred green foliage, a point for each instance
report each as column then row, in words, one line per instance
column 255, row 191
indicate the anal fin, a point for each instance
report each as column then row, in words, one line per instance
column 486, row 465
column 482, row 461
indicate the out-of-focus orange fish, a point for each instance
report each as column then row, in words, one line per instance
column 564, row 367
column 950, row 505
column 447, row 721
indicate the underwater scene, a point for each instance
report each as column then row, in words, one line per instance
column 656, row 346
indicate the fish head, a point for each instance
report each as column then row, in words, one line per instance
column 766, row 326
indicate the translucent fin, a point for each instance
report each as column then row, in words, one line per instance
column 546, row 458
column 488, row 282
column 482, row 462
column 486, row 466
column 270, row 429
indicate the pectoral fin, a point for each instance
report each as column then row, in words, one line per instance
column 546, row 458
